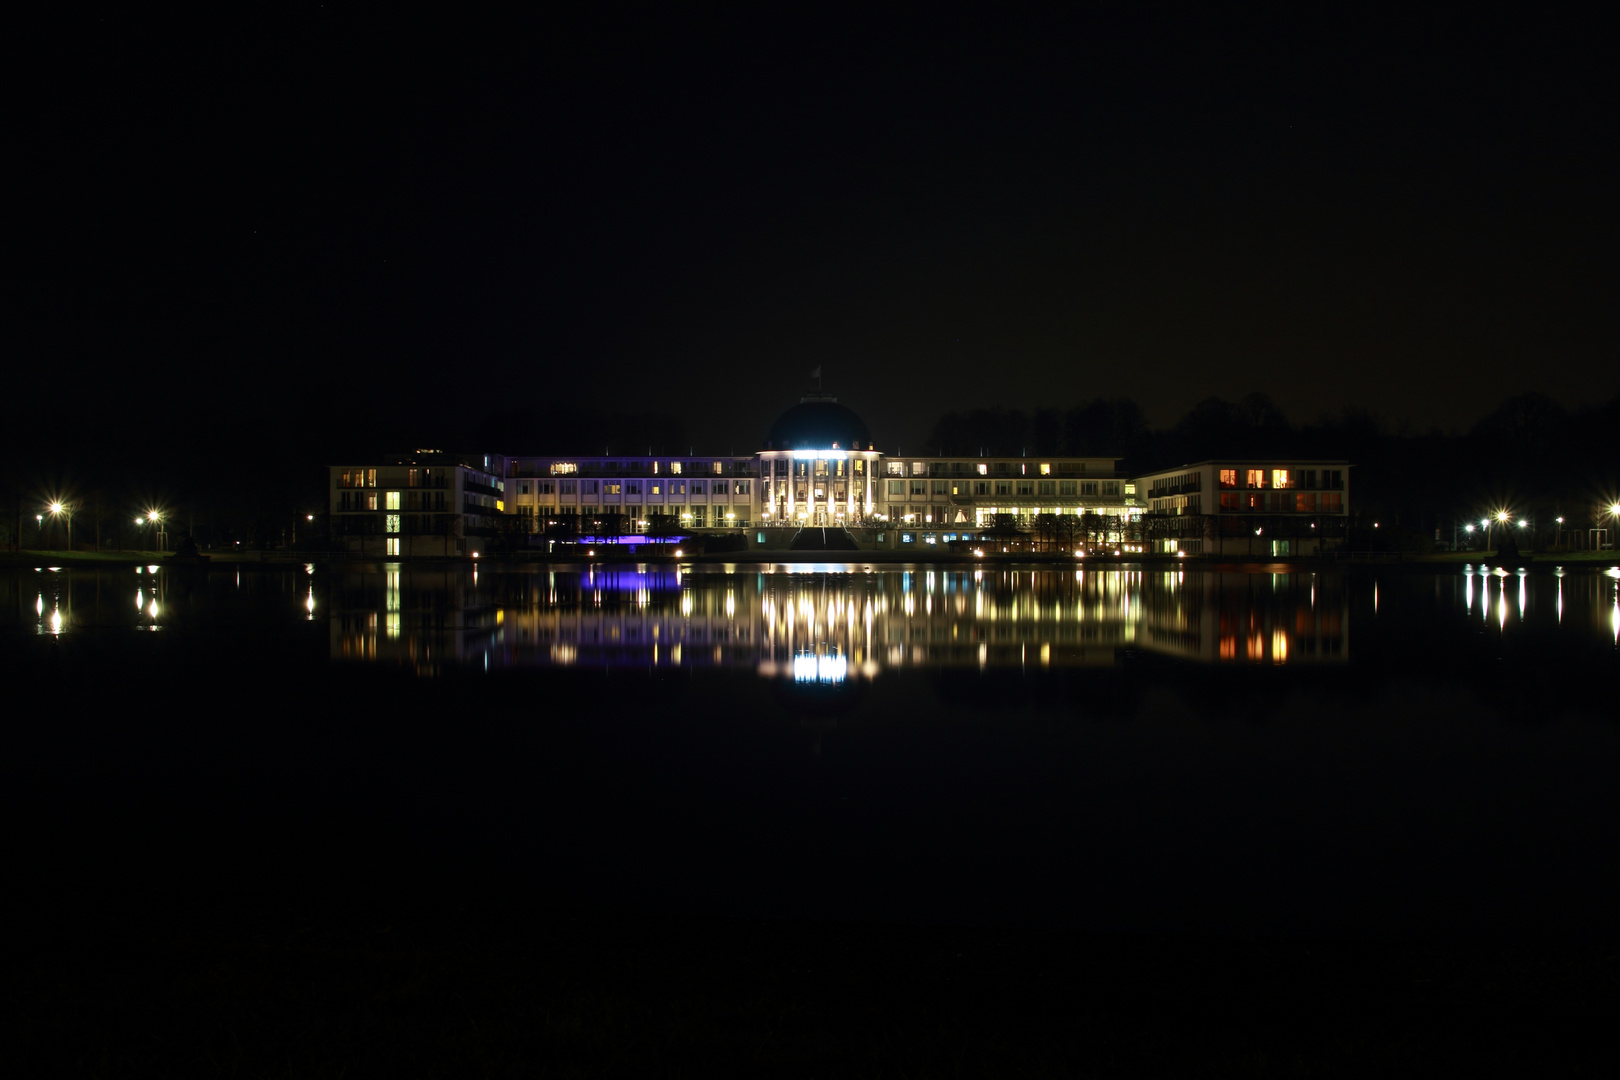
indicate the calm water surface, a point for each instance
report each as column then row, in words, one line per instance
column 1118, row 749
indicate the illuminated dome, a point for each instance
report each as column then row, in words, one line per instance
column 818, row 423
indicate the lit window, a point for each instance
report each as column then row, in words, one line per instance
column 392, row 523
column 1256, row 478
column 371, row 500
column 1046, row 470
column 1228, row 478
column 393, row 546
column 984, row 470
column 675, row 468
column 1280, row 479
column 371, row 478
column 393, row 500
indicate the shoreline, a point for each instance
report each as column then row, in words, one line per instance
column 1355, row 562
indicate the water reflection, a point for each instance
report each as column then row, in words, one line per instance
column 832, row 626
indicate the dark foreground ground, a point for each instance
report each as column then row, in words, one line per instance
column 403, row 986
column 223, row 857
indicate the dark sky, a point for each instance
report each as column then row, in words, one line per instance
column 355, row 217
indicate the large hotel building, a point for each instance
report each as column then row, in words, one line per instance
column 819, row 481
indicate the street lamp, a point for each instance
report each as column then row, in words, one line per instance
column 57, row 509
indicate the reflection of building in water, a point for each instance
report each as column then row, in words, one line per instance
column 1246, row 618
column 828, row 626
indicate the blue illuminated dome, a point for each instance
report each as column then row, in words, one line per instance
column 818, row 423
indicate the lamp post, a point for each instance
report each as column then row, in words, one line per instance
column 58, row 509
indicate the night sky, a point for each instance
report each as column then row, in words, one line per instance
column 397, row 227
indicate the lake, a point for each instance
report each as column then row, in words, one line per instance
column 1275, row 751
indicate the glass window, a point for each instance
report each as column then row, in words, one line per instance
column 1280, row 479
column 1047, row 487
column 742, row 487
column 1255, row 478
column 1067, row 487
column 897, row 487
column 392, row 523
column 393, row 500
column 1228, row 478
column 919, row 487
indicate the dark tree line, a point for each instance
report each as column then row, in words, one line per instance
column 1530, row 455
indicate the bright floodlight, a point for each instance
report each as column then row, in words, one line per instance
column 1615, row 509
column 56, row 508
column 1501, row 515
column 152, row 517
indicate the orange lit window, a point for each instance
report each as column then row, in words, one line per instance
column 1229, row 478
column 1256, row 478
column 1281, row 479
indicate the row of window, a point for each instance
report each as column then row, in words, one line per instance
column 688, row 517
column 652, row 468
column 391, row 500
column 667, row 488
column 1300, row 502
column 1284, row 478
column 1072, row 488
column 984, row 468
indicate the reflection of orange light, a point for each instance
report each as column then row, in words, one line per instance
column 1229, row 648
column 1279, row 647
column 1257, row 647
